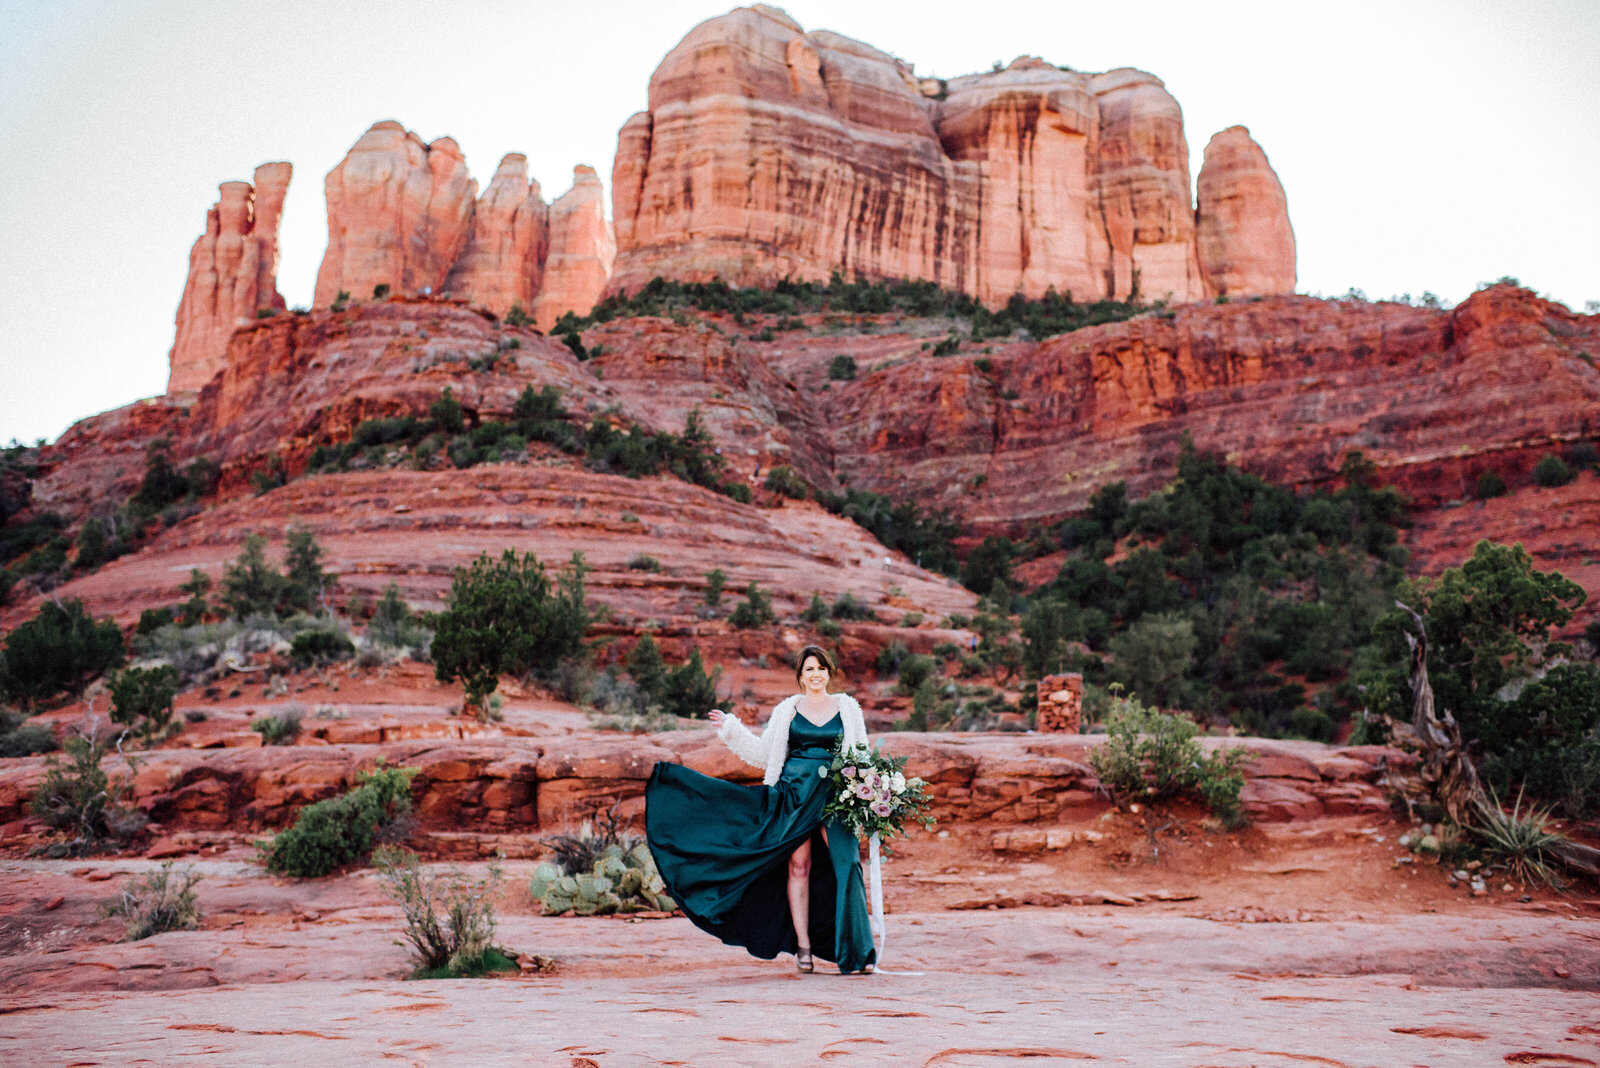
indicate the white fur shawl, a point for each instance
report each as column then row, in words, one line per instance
column 769, row 749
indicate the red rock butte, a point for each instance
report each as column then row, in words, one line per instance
column 768, row 152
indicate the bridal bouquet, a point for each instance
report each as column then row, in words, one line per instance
column 871, row 794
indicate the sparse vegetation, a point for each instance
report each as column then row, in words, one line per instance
column 842, row 368
column 19, row 738
column 79, row 799
column 280, row 728
column 1551, row 471
column 158, row 901
column 1151, row 757
column 450, row 921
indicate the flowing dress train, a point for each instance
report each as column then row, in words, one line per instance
column 723, row 850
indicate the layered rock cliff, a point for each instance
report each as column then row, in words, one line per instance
column 233, row 269
column 768, row 152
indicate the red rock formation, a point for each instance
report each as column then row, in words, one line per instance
column 233, row 271
column 399, row 213
column 1245, row 241
column 767, row 151
column 1142, row 173
column 504, row 261
column 1286, row 386
column 582, row 248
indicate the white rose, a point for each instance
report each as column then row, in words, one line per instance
column 845, row 797
column 898, row 783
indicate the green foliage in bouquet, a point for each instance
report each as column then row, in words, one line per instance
column 870, row 793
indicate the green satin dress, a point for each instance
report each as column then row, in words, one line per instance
column 723, row 850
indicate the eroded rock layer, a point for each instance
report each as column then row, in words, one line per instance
column 233, row 269
column 503, row 263
column 768, row 152
column 582, row 248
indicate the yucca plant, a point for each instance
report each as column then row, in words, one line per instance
column 1520, row 842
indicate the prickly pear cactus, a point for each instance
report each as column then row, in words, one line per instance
column 622, row 881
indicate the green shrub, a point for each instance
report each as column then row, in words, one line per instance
column 153, row 619
column 987, row 564
column 754, row 611
column 141, row 699
column 842, row 368
column 281, row 728
column 1490, row 484
column 503, row 618
column 60, row 648
column 394, row 624
column 737, row 491
column 716, row 578
column 79, row 799
column 830, row 629
column 689, row 690
column 890, row 657
column 1551, row 471
column 342, row 830
column 20, row 738
column 450, row 922
column 158, row 901
column 817, row 610
column 846, row 607
column 380, row 291
column 644, row 562
column 1153, row 655
column 321, row 646
column 913, row 670
column 784, row 480
column 445, row 413
column 1151, row 757
column 250, row 585
column 646, row 666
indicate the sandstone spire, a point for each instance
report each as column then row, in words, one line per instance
column 503, row 264
column 233, row 270
column 582, row 248
column 399, row 212
column 1245, row 241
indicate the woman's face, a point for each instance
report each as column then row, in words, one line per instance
column 814, row 675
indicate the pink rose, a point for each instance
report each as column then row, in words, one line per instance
column 848, row 771
column 881, row 808
column 864, row 791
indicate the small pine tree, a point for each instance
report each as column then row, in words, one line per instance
column 504, row 618
column 250, row 586
column 647, row 667
column 446, row 413
column 141, row 699
column 61, row 648
column 195, row 609
column 689, row 690
column 716, row 578
column 307, row 583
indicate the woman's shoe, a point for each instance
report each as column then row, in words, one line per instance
column 868, row 969
column 803, row 962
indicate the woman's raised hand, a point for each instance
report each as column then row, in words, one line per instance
column 716, row 716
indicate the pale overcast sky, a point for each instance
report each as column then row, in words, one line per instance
column 1424, row 144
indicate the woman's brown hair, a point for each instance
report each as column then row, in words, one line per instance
column 823, row 657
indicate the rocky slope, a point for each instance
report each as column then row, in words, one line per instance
column 767, row 152
column 1003, row 436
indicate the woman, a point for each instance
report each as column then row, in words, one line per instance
column 738, row 859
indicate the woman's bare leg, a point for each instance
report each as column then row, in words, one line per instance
column 800, row 893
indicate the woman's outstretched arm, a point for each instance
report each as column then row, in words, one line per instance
column 748, row 747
